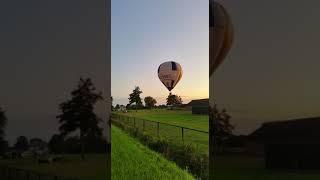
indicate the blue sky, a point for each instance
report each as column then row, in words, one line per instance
column 146, row 33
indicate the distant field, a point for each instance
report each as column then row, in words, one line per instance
column 94, row 168
column 174, row 117
column 130, row 160
column 251, row 168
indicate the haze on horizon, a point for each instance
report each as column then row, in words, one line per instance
column 272, row 70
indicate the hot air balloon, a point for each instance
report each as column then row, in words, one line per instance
column 221, row 35
column 170, row 74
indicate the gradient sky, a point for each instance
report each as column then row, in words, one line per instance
column 272, row 71
column 45, row 47
column 146, row 33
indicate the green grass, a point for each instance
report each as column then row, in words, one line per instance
column 252, row 168
column 93, row 168
column 174, row 117
column 132, row 160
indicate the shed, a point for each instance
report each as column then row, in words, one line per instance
column 199, row 106
column 291, row 144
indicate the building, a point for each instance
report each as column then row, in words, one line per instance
column 293, row 144
column 199, row 106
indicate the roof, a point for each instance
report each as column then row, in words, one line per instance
column 305, row 129
column 199, row 102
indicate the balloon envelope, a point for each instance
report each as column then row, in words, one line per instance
column 221, row 35
column 170, row 74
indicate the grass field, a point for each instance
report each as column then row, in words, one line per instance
column 172, row 133
column 130, row 160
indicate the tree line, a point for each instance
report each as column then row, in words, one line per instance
column 135, row 101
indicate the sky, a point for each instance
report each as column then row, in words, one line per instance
column 147, row 33
column 272, row 70
column 45, row 47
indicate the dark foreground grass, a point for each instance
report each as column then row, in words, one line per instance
column 252, row 168
column 132, row 160
column 172, row 133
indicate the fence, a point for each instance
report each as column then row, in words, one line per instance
column 10, row 173
column 173, row 133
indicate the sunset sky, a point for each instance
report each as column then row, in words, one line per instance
column 146, row 33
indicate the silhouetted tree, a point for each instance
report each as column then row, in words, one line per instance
column 3, row 123
column 117, row 107
column 22, row 144
column 78, row 113
column 56, row 144
column 134, row 97
column 4, row 146
column 149, row 101
column 222, row 128
column 174, row 100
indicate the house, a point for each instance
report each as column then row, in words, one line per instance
column 199, row 106
column 292, row 144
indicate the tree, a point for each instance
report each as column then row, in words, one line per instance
column 56, row 144
column 22, row 144
column 78, row 113
column 134, row 97
column 3, row 123
column 112, row 107
column 149, row 101
column 174, row 100
column 117, row 107
column 222, row 129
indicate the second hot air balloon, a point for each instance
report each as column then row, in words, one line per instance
column 170, row 73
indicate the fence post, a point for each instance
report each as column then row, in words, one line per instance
column 55, row 177
column 143, row 126
column 158, row 129
column 182, row 134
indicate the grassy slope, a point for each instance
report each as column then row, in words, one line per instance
column 131, row 160
column 175, row 117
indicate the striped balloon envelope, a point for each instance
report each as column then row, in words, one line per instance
column 170, row 74
column 221, row 35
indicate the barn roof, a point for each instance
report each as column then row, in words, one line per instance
column 306, row 129
column 199, row 102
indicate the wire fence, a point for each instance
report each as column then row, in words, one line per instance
column 10, row 173
column 173, row 133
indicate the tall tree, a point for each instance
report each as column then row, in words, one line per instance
column 22, row 144
column 78, row 112
column 222, row 128
column 3, row 123
column 56, row 144
column 149, row 101
column 173, row 99
column 134, row 97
